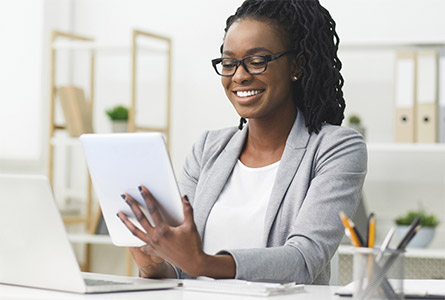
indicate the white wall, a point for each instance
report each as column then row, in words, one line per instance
column 21, row 66
column 396, row 181
column 24, row 56
column 196, row 27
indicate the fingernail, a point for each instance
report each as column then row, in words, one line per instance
column 124, row 197
column 186, row 199
column 117, row 215
column 140, row 188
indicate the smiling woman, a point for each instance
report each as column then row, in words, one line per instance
column 261, row 201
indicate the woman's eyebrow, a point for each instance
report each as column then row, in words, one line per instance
column 249, row 52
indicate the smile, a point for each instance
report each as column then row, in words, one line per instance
column 248, row 93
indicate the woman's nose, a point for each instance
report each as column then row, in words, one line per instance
column 241, row 75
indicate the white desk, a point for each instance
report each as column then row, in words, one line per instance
column 13, row 292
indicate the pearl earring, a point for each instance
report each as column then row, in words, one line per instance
column 295, row 78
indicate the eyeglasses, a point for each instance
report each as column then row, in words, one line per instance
column 253, row 64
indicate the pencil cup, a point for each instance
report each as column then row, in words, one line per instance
column 377, row 274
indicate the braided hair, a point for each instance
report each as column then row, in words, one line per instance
column 310, row 30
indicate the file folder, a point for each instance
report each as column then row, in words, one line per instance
column 426, row 111
column 441, row 104
column 76, row 110
column 405, row 93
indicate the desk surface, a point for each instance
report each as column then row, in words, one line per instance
column 13, row 292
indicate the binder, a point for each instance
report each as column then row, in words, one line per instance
column 426, row 111
column 441, row 103
column 77, row 112
column 405, row 93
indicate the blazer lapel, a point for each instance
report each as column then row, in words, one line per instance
column 293, row 153
column 217, row 178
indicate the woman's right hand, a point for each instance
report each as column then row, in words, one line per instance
column 151, row 266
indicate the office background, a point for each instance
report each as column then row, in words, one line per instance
column 397, row 181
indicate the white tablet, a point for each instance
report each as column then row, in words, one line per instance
column 119, row 163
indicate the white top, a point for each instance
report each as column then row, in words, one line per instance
column 236, row 221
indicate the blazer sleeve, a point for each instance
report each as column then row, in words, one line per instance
column 189, row 177
column 188, row 181
column 337, row 163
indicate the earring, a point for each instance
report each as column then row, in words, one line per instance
column 295, row 77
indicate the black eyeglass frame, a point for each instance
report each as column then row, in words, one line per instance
column 267, row 57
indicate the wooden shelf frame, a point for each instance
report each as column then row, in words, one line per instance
column 133, row 126
column 78, row 42
column 55, row 36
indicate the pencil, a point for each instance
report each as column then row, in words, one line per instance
column 353, row 236
column 371, row 230
column 357, row 233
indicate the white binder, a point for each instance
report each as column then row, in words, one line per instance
column 405, row 93
column 426, row 110
column 441, row 103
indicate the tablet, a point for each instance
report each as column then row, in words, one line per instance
column 118, row 163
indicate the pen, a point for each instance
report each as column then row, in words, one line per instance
column 408, row 237
column 413, row 229
column 385, row 243
column 346, row 224
column 371, row 230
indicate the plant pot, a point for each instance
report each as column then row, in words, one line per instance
column 119, row 126
column 421, row 240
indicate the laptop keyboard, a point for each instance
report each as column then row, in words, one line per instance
column 98, row 282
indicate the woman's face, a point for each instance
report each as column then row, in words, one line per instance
column 270, row 92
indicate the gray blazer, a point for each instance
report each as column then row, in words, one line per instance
column 319, row 175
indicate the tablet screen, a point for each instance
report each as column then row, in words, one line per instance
column 119, row 163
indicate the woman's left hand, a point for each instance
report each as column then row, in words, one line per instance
column 181, row 245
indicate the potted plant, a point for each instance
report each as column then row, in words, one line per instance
column 426, row 234
column 119, row 118
column 355, row 123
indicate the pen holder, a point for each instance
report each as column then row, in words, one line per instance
column 377, row 274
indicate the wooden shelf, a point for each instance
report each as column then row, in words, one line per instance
column 105, row 48
column 84, row 238
column 64, row 141
column 390, row 45
column 413, row 253
column 394, row 147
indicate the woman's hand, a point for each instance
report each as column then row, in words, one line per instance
column 180, row 245
column 151, row 266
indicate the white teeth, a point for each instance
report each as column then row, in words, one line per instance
column 248, row 93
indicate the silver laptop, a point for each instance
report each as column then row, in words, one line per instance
column 34, row 247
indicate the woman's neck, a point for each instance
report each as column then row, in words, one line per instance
column 266, row 139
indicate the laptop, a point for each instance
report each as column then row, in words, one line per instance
column 34, row 246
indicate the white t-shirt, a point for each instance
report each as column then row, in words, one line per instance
column 236, row 220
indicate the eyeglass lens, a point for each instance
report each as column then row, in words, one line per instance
column 253, row 64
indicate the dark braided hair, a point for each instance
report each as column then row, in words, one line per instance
column 310, row 30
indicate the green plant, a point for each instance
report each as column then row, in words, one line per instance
column 425, row 220
column 118, row 113
column 354, row 119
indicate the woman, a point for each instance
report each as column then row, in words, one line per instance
column 265, row 196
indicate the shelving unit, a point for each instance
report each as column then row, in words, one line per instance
column 61, row 41
column 400, row 177
column 53, row 127
column 419, row 263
